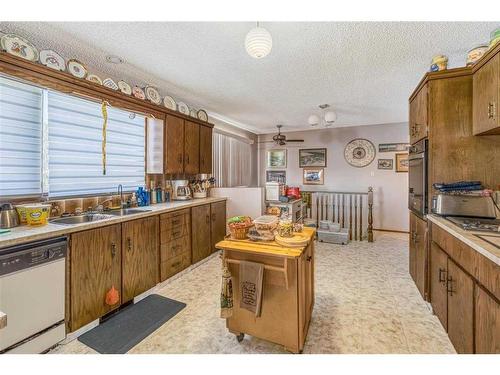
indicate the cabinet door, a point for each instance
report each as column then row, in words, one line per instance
column 418, row 115
column 460, row 309
column 438, row 275
column 205, row 149
column 218, row 225
column 191, row 148
column 413, row 248
column 95, row 267
column 487, row 323
column 421, row 255
column 140, row 256
column 174, row 141
column 485, row 100
column 200, row 232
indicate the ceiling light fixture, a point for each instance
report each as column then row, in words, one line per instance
column 258, row 42
column 114, row 59
column 328, row 117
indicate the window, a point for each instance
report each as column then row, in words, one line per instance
column 50, row 143
column 232, row 161
column 20, row 138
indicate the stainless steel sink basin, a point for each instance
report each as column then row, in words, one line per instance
column 80, row 219
column 126, row 211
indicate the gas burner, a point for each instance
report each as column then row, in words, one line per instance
column 476, row 224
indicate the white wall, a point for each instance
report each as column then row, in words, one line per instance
column 390, row 188
column 241, row 200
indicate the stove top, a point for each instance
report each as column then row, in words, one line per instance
column 476, row 224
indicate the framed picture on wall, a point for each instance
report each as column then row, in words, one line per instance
column 402, row 162
column 312, row 157
column 276, row 176
column 313, row 176
column 393, row 147
column 385, row 164
column 276, row 158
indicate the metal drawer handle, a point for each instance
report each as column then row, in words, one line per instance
column 442, row 275
column 176, row 264
column 176, row 233
column 175, row 222
column 113, row 249
column 129, row 244
column 449, row 285
column 491, row 110
column 309, row 258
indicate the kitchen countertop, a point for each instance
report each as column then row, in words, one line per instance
column 23, row 234
column 483, row 247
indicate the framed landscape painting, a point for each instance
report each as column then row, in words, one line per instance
column 385, row 164
column 393, row 147
column 276, row 159
column 313, row 176
column 401, row 162
column 276, row 176
column 312, row 157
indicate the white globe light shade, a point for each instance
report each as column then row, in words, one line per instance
column 258, row 42
column 313, row 120
column 330, row 117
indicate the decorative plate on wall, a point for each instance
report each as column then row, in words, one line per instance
column 202, row 115
column 125, row 87
column 183, row 108
column 170, row 103
column 109, row 83
column 77, row 69
column 18, row 46
column 192, row 113
column 94, row 78
column 52, row 59
column 359, row 152
column 153, row 95
column 138, row 93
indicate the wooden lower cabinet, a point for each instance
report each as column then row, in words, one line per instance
column 418, row 252
column 218, row 222
column 175, row 242
column 438, row 269
column 139, row 256
column 306, row 290
column 95, row 267
column 200, row 232
column 487, row 323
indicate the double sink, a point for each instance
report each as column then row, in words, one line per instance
column 91, row 217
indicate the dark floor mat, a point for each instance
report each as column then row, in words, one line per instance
column 127, row 328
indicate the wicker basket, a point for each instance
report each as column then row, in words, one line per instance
column 239, row 233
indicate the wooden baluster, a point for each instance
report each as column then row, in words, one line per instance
column 317, row 209
column 350, row 217
column 356, row 217
column 334, row 197
column 370, row 214
column 361, row 219
column 343, row 210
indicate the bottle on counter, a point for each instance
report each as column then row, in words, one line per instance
column 152, row 193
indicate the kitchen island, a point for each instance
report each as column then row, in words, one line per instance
column 287, row 295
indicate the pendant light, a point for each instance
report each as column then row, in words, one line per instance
column 258, row 42
column 328, row 117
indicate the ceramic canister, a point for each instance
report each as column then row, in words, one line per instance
column 494, row 37
column 439, row 62
column 476, row 53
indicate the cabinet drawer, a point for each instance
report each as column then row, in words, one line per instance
column 170, row 232
column 175, row 265
column 173, row 214
column 174, row 248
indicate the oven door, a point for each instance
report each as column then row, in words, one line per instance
column 417, row 183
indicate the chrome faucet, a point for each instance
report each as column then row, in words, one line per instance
column 120, row 191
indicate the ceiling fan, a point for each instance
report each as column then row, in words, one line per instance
column 280, row 139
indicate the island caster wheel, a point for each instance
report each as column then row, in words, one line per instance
column 240, row 337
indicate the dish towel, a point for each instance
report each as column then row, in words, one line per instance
column 251, row 277
column 226, row 294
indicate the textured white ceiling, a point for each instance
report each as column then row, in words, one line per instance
column 364, row 70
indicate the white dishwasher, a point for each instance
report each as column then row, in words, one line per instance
column 32, row 295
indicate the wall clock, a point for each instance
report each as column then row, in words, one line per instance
column 359, row 152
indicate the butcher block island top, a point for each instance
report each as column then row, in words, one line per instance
column 287, row 290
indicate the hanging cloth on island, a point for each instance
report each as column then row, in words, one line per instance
column 226, row 294
column 251, row 278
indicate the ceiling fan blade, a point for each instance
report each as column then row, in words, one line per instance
column 266, row 142
column 295, row 140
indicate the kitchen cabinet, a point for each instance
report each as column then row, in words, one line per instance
column 175, row 242
column 306, row 289
column 438, row 269
column 139, row 256
column 487, row 323
column 205, row 149
column 191, row 147
column 418, row 252
column 486, row 98
column 95, row 268
column 460, row 288
column 419, row 115
column 174, row 145
column 218, row 223
column 200, row 232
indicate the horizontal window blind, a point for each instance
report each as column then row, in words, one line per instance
column 75, row 140
column 20, row 138
column 232, row 163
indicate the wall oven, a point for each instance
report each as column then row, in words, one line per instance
column 417, row 178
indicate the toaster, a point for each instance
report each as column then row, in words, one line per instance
column 463, row 205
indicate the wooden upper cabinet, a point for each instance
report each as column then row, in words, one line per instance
column 487, row 333
column 191, row 148
column 205, row 149
column 140, row 256
column 438, row 273
column 174, row 145
column 460, row 309
column 419, row 115
column 218, row 222
column 95, row 263
column 486, row 98
column 200, row 232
